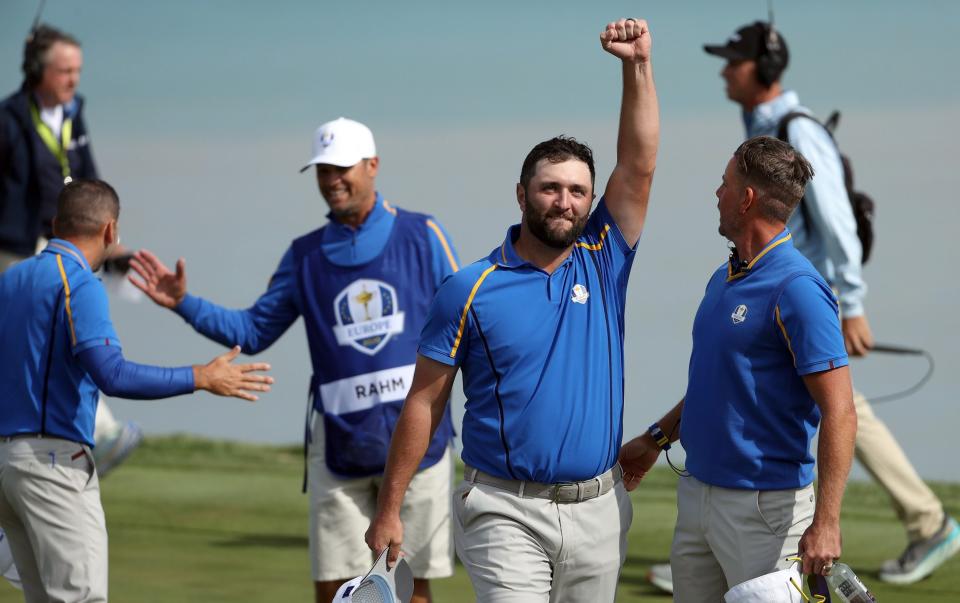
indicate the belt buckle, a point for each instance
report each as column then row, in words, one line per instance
column 559, row 488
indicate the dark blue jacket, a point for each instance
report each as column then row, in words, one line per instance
column 30, row 175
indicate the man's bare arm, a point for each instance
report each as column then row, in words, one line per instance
column 422, row 412
column 628, row 189
column 833, row 393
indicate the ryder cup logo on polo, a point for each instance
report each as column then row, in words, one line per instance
column 580, row 294
column 367, row 315
column 739, row 315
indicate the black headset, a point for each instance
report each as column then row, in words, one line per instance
column 772, row 60
column 39, row 41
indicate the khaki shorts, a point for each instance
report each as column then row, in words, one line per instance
column 341, row 510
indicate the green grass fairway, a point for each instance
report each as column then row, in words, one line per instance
column 198, row 521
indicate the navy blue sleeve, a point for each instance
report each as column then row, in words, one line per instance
column 117, row 377
column 256, row 328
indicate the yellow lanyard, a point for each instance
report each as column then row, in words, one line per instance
column 57, row 147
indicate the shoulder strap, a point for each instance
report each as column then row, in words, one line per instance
column 789, row 117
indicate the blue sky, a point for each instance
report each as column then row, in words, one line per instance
column 201, row 114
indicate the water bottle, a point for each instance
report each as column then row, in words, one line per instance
column 846, row 587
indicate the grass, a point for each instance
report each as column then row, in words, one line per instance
column 198, row 520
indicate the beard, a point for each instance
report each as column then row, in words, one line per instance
column 545, row 227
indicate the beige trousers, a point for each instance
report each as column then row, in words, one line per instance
column 533, row 550
column 915, row 504
column 726, row 536
column 50, row 510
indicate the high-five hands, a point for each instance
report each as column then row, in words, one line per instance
column 221, row 376
column 163, row 286
column 628, row 40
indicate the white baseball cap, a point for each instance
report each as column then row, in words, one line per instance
column 342, row 142
column 380, row 585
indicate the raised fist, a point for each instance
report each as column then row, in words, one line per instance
column 628, row 40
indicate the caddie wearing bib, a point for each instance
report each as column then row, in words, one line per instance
column 537, row 327
column 363, row 284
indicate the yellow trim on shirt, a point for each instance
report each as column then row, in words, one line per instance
column 785, row 336
column 66, row 291
column 388, row 207
column 743, row 273
column 466, row 308
column 443, row 241
column 596, row 246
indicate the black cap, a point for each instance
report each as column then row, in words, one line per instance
column 750, row 42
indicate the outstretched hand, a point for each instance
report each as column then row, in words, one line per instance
column 223, row 378
column 628, row 40
column 164, row 287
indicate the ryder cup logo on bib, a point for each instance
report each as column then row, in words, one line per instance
column 367, row 315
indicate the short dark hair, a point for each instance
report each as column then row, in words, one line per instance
column 37, row 48
column 84, row 206
column 777, row 171
column 556, row 150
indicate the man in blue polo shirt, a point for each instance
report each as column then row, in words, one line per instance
column 60, row 348
column 537, row 327
column 363, row 284
column 768, row 366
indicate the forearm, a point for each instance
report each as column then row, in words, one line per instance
column 838, row 430
column 231, row 327
column 418, row 421
column 639, row 132
column 115, row 376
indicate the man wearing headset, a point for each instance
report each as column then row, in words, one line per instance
column 826, row 232
column 44, row 143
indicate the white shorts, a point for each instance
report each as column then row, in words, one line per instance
column 341, row 510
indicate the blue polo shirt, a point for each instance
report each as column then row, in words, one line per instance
column 748, row 418
column 54, row 308
column 542, row 356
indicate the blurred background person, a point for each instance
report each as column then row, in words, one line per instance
column 43, row 144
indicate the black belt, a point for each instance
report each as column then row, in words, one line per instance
column 567, row 492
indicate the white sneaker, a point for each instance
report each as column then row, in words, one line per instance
column 111, row 451
column 661, row 576
column 920, row 558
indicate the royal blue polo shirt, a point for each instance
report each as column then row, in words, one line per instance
column 541, row 354
column 748, row 418
column 54, row 307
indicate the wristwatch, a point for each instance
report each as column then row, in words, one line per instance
column 662, row 441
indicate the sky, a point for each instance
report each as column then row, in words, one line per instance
column 202, row 113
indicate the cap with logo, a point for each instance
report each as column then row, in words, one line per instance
column 751, row 43
column 342, row 142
